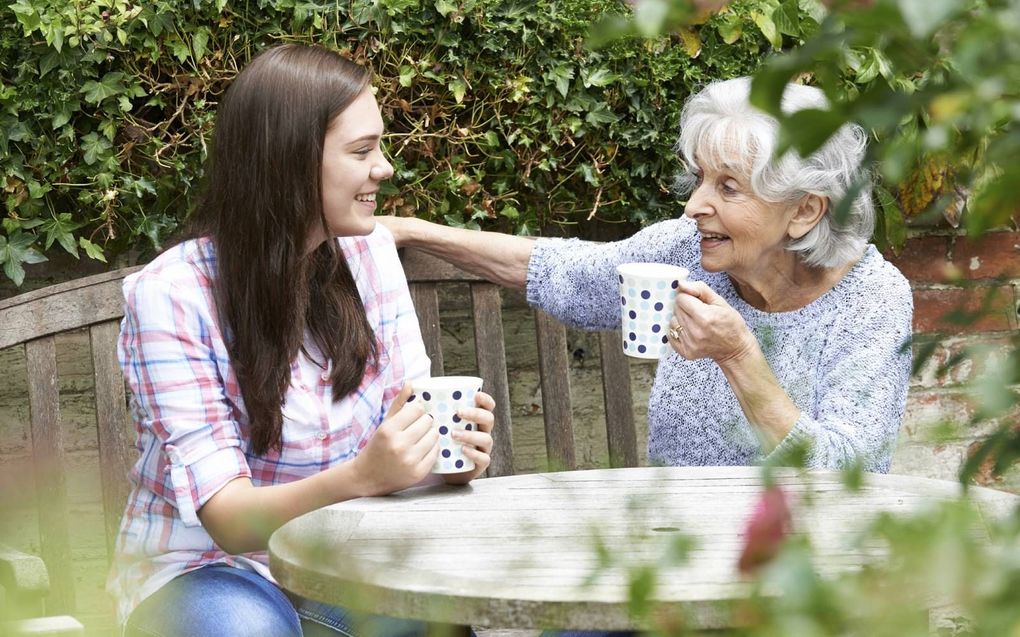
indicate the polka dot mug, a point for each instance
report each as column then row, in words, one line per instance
column 441, row 397
column 647, row 292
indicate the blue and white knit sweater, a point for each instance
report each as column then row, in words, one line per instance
column 844, row 359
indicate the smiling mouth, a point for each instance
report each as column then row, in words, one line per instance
column 368, row 198
column 711, row 236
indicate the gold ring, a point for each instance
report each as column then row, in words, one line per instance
column 675, row 332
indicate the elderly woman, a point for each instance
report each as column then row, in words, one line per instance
column 792, row 338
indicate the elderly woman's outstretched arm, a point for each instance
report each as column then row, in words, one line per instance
column 498, row 257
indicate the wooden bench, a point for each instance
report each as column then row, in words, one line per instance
column 45, row 585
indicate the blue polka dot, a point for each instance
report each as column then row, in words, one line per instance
column 442, row 407
column 676, row 284
column 623, row 300
column 467, row 427
column 459, row 464
column 665, row 339
column 645, row 294
column 644, row 305
column 443, row 430
column 621, row 278
column 446, row 453
column 456, row 418
column 411, row 398
column 457, row 395
column 658, row 307
column 656, row 328
column 632, row 314
column 625, row 345
column 661, row 285
column 641, row 348
column 633, row 336
column 631, row 292
column 426, row 396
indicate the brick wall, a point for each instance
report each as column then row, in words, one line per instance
column 967, row 311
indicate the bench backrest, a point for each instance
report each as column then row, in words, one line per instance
column 95, row 303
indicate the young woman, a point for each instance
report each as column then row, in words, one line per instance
column 269, row 359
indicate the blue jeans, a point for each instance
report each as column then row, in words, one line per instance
column 222, row 601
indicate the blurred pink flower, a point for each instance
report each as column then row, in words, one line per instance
column 767, row 527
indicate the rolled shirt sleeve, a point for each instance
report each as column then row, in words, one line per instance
column 175, row 374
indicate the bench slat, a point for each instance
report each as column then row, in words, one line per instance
column 426, row 306
column 113, row 423
column 487, row 309
column 555, row 373
column 620, row 431
column 63, row 307
column 50, row 480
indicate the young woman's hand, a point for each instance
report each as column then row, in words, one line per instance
column 402, row 450
column 477, row 443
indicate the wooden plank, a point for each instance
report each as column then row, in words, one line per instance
column 421, row 267
column 426, row 306
column 555, row 374
column 58, row 308
column 620, row 431
column 48, row 459
column 487, row 310
column 112, row 420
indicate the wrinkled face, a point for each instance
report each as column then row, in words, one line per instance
column 353, row 166
column 741, row 234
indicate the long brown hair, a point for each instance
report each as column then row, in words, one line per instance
column 261, row 202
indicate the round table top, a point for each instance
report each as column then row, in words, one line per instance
column 557, row 549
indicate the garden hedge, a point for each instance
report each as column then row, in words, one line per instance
column 499, row 112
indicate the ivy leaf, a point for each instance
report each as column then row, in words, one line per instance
column 892, row 224
column 111, row 84
column 16, row 250
column 815, row 9
column 61, row 117
column 600, row 77
column 561, row 76
column 786, row 18
column 94, row 145
column 731, row 29
column 91, row 249
column 445, row 7
column 200, row 43
column 407, row 74
column 768, row 29
column 458, row 87
column 28, row 16
column 691, row 43
column 60, row 229
column 601, row 115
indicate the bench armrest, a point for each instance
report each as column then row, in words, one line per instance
column 22, row 573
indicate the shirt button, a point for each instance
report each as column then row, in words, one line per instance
column 322, row 435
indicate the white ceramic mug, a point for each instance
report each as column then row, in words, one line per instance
column 647, row 292
column 442, row 396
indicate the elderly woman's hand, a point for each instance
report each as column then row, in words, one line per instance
column 705, row 326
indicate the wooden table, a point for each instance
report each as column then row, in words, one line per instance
column 519, row 551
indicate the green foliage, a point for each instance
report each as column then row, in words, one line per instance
column 498, row 113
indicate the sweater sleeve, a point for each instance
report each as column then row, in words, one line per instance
column 862, row 388
column 576, row 282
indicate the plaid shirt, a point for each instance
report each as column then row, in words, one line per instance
column 191, row 423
